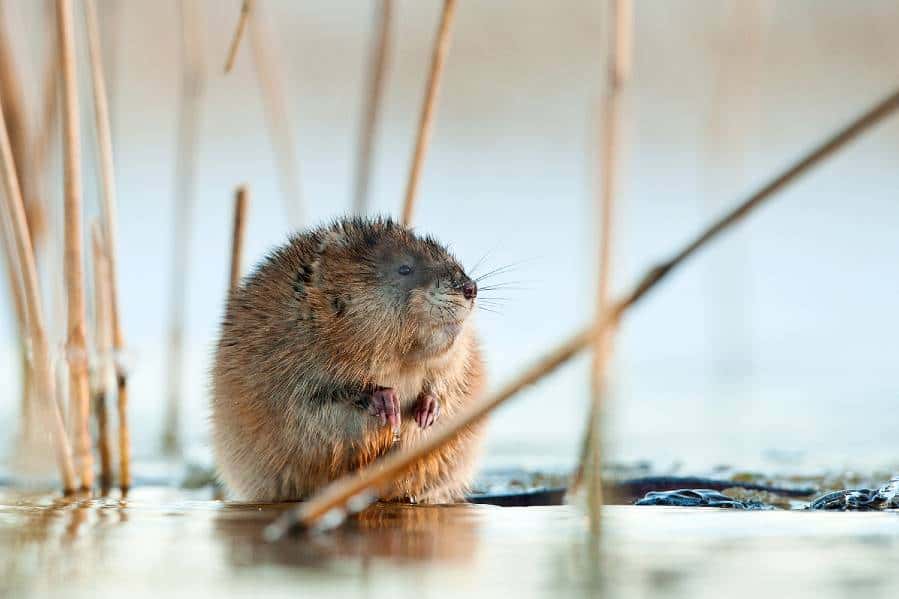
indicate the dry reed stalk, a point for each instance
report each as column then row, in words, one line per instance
column 110, row 26
column 734, row 120
column 17, row 125
column 245, row 9
column 124, row 430
column 192, row 87
column 11, row 90
column 43, row 371
column 426, row 121
column 44, row 142
column 14, row 283
column 28, row 171
column 14, row 276
column 26, row 401
column 108, row 207
column 618, row 67
column 103, row 344
column 280, row 129
column 238, row 233
column 49, row 110
column 76, row 345
column 357, row 488
column 377, row 68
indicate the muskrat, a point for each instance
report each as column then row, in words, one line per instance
column 347, row 341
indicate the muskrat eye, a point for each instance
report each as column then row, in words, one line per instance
column 405, row 269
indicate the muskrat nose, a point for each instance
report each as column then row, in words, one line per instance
column 470, row 289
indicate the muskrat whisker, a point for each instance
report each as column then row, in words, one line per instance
column 514, row 285
column 503, row 269
column 451, row 299
column 477, row 264
column 494, row 309
column 445, row 311
column 447, row 300
column 491, row 303
column 495, row 272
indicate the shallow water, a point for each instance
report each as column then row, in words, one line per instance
column 169, row 541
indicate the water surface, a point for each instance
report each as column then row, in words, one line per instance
column 181, row 544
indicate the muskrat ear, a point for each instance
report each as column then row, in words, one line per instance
column 337, row 236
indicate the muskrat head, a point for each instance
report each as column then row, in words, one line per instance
column 393, row 287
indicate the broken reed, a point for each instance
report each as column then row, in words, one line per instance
column 238, row 232
column 426, row 120
column 103, row 346
column 362, row 486
column 618, row 69
column 76, row 346
column 245, row 9
column 30, row 289
column 108, row 209
column 377, row 67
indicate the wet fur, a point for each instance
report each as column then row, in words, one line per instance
column 304, row 337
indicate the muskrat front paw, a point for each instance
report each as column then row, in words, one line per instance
column 386, row 406
column 427, row 409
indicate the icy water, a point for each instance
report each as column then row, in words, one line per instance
column 164, row 541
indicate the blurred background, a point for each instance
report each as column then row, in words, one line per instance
column 776, row 348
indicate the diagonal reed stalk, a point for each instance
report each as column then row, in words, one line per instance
column 192, row 87
column 14, row 284
column 40, row 347
column 76, row 345
column 45, row 142
column 17, row 124
column 426, row 120
column 103, row 344
column 245, row 8
column 14, row 113
column 618, row 70
column 270, row 75
column 109, row 236
column 16, row 290
column 238, row 232
column 46, row 132
column 377, row 68
column 110, row 26
column 359, row 488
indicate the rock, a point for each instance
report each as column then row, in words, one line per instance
column 698, row 498
column 861, row 500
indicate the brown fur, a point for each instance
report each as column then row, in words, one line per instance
column 322, row 321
